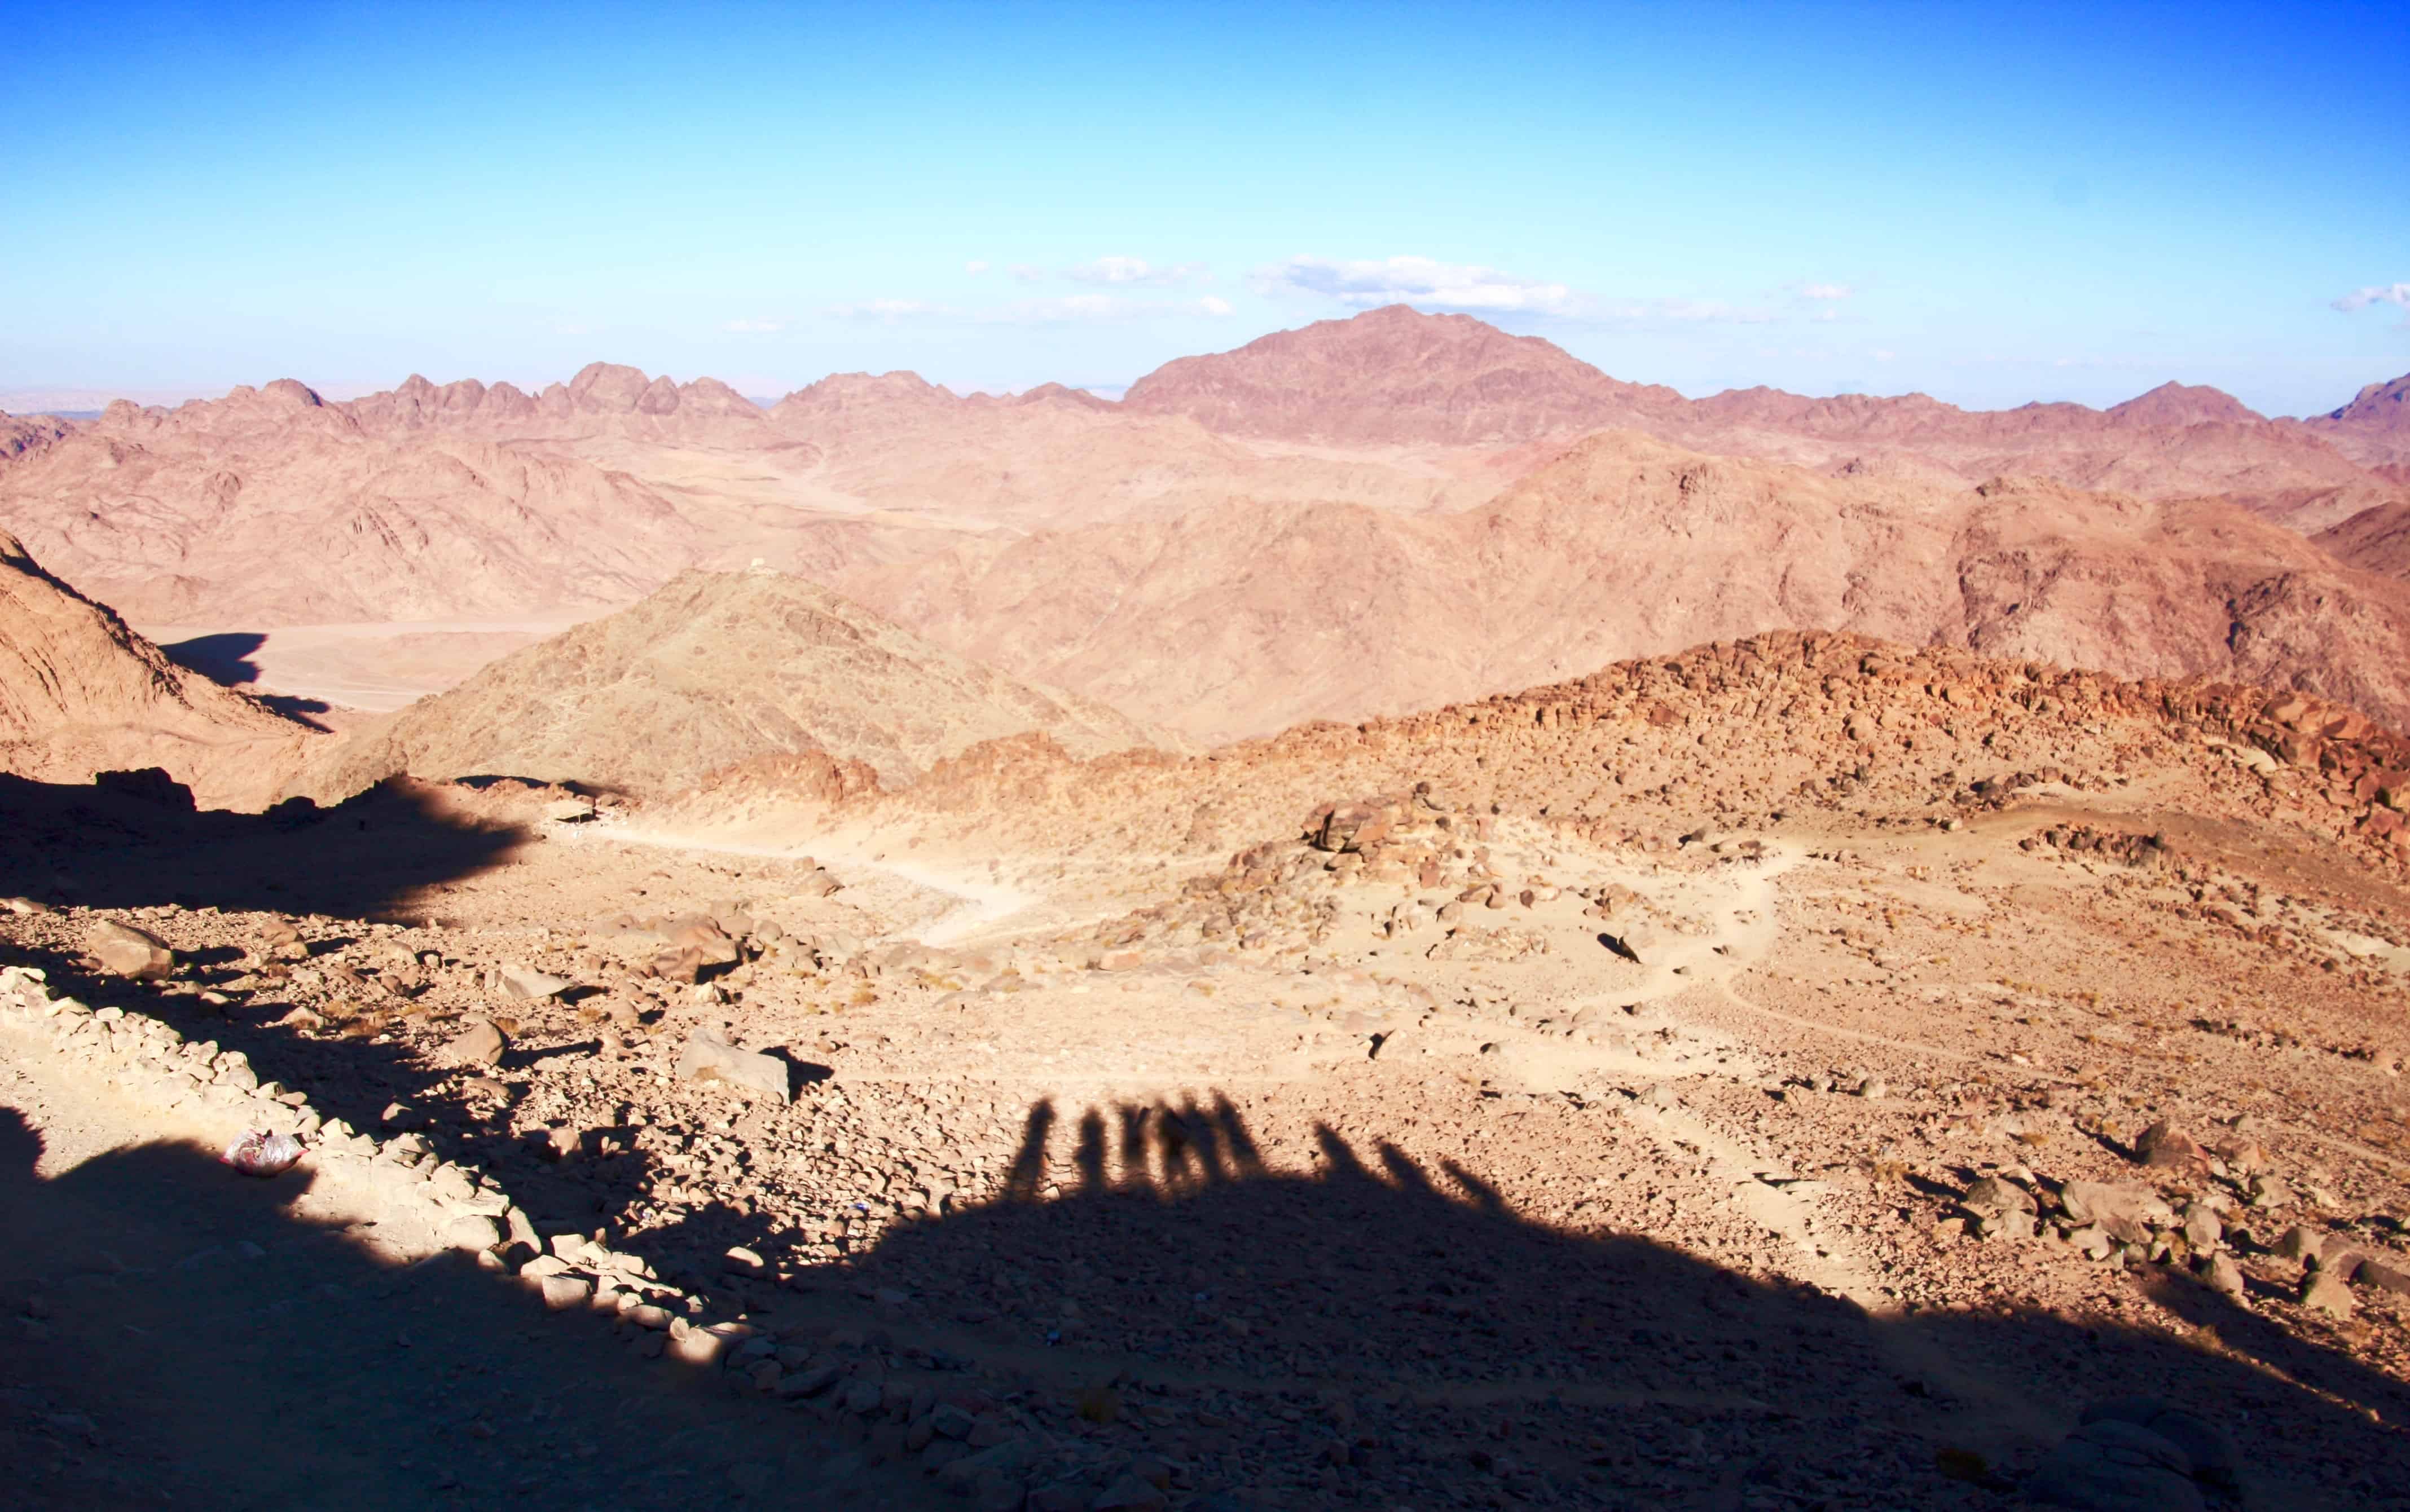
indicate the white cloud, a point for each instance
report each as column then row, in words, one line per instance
column 1429, row 284
column 976, row 266
column 1067, row 310
column 754, row 327
column 1827, row 293
column 1027, row 272
column 1686, row 312
column 1366, row 283
column 2375, row 294
column 1084, row 309
column 1136, row 272
column 888, row 309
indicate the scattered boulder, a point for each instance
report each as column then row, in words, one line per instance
column 706, row 1058
column 480, row 1044
column 2000, row 1207
column 2300, row 1244
column 2125, row 1209
column 1634, row 942
column 126, row 951
column 2222, row 1276
column 2327, row 1291
column 475, row 1231
column 706, row 937
column 1339, row 827
column 528, row 984
column 683, row 965
column 2113, row 1465
column 2163, row 1147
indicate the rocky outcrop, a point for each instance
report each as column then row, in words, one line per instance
column 81, row 694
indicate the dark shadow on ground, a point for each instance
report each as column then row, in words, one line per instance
column 176, row 1335
column 223, row 657
column 384, row 854
column 1381, row 1334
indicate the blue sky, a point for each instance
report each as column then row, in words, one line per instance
column 2076, row 203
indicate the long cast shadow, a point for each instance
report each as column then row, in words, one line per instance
column 179, row 1336
column 1456, row 1351
column 132, row 840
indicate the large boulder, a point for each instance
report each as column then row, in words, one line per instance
column 705, row 1057
column 126, row 951
column 2125, row 1209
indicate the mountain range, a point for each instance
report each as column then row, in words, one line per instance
column 1353, row 518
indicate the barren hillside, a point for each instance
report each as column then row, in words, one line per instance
column 710, row 671
column 1237, row 620
column 79, row 694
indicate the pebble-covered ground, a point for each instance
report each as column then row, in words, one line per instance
column 1808, row 1081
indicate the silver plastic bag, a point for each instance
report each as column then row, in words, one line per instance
column 260, row 1153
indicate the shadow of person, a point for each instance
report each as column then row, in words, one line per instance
column 1379, row 1333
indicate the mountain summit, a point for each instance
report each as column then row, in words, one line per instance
column 1392, row 376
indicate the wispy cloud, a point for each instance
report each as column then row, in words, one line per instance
column 1137, row 272
column 2375, row 294
column 1083, row 309
column 1067, row 310
column 1366, row 283
column 1470, row 288
column 754, row 327
column 890, row 310
column 1822, row 300
column 1665, row 312
column 976, row 266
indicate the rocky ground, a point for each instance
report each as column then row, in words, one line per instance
column 1797, row 1075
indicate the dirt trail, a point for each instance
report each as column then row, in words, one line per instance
column 975, row 903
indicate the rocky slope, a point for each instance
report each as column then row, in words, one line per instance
column 2375, row 427
column 81, row 694
column 710, row 671
column 20, row 434
column 1238, row 619
column 2376, row 540
column 1954, row 1081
